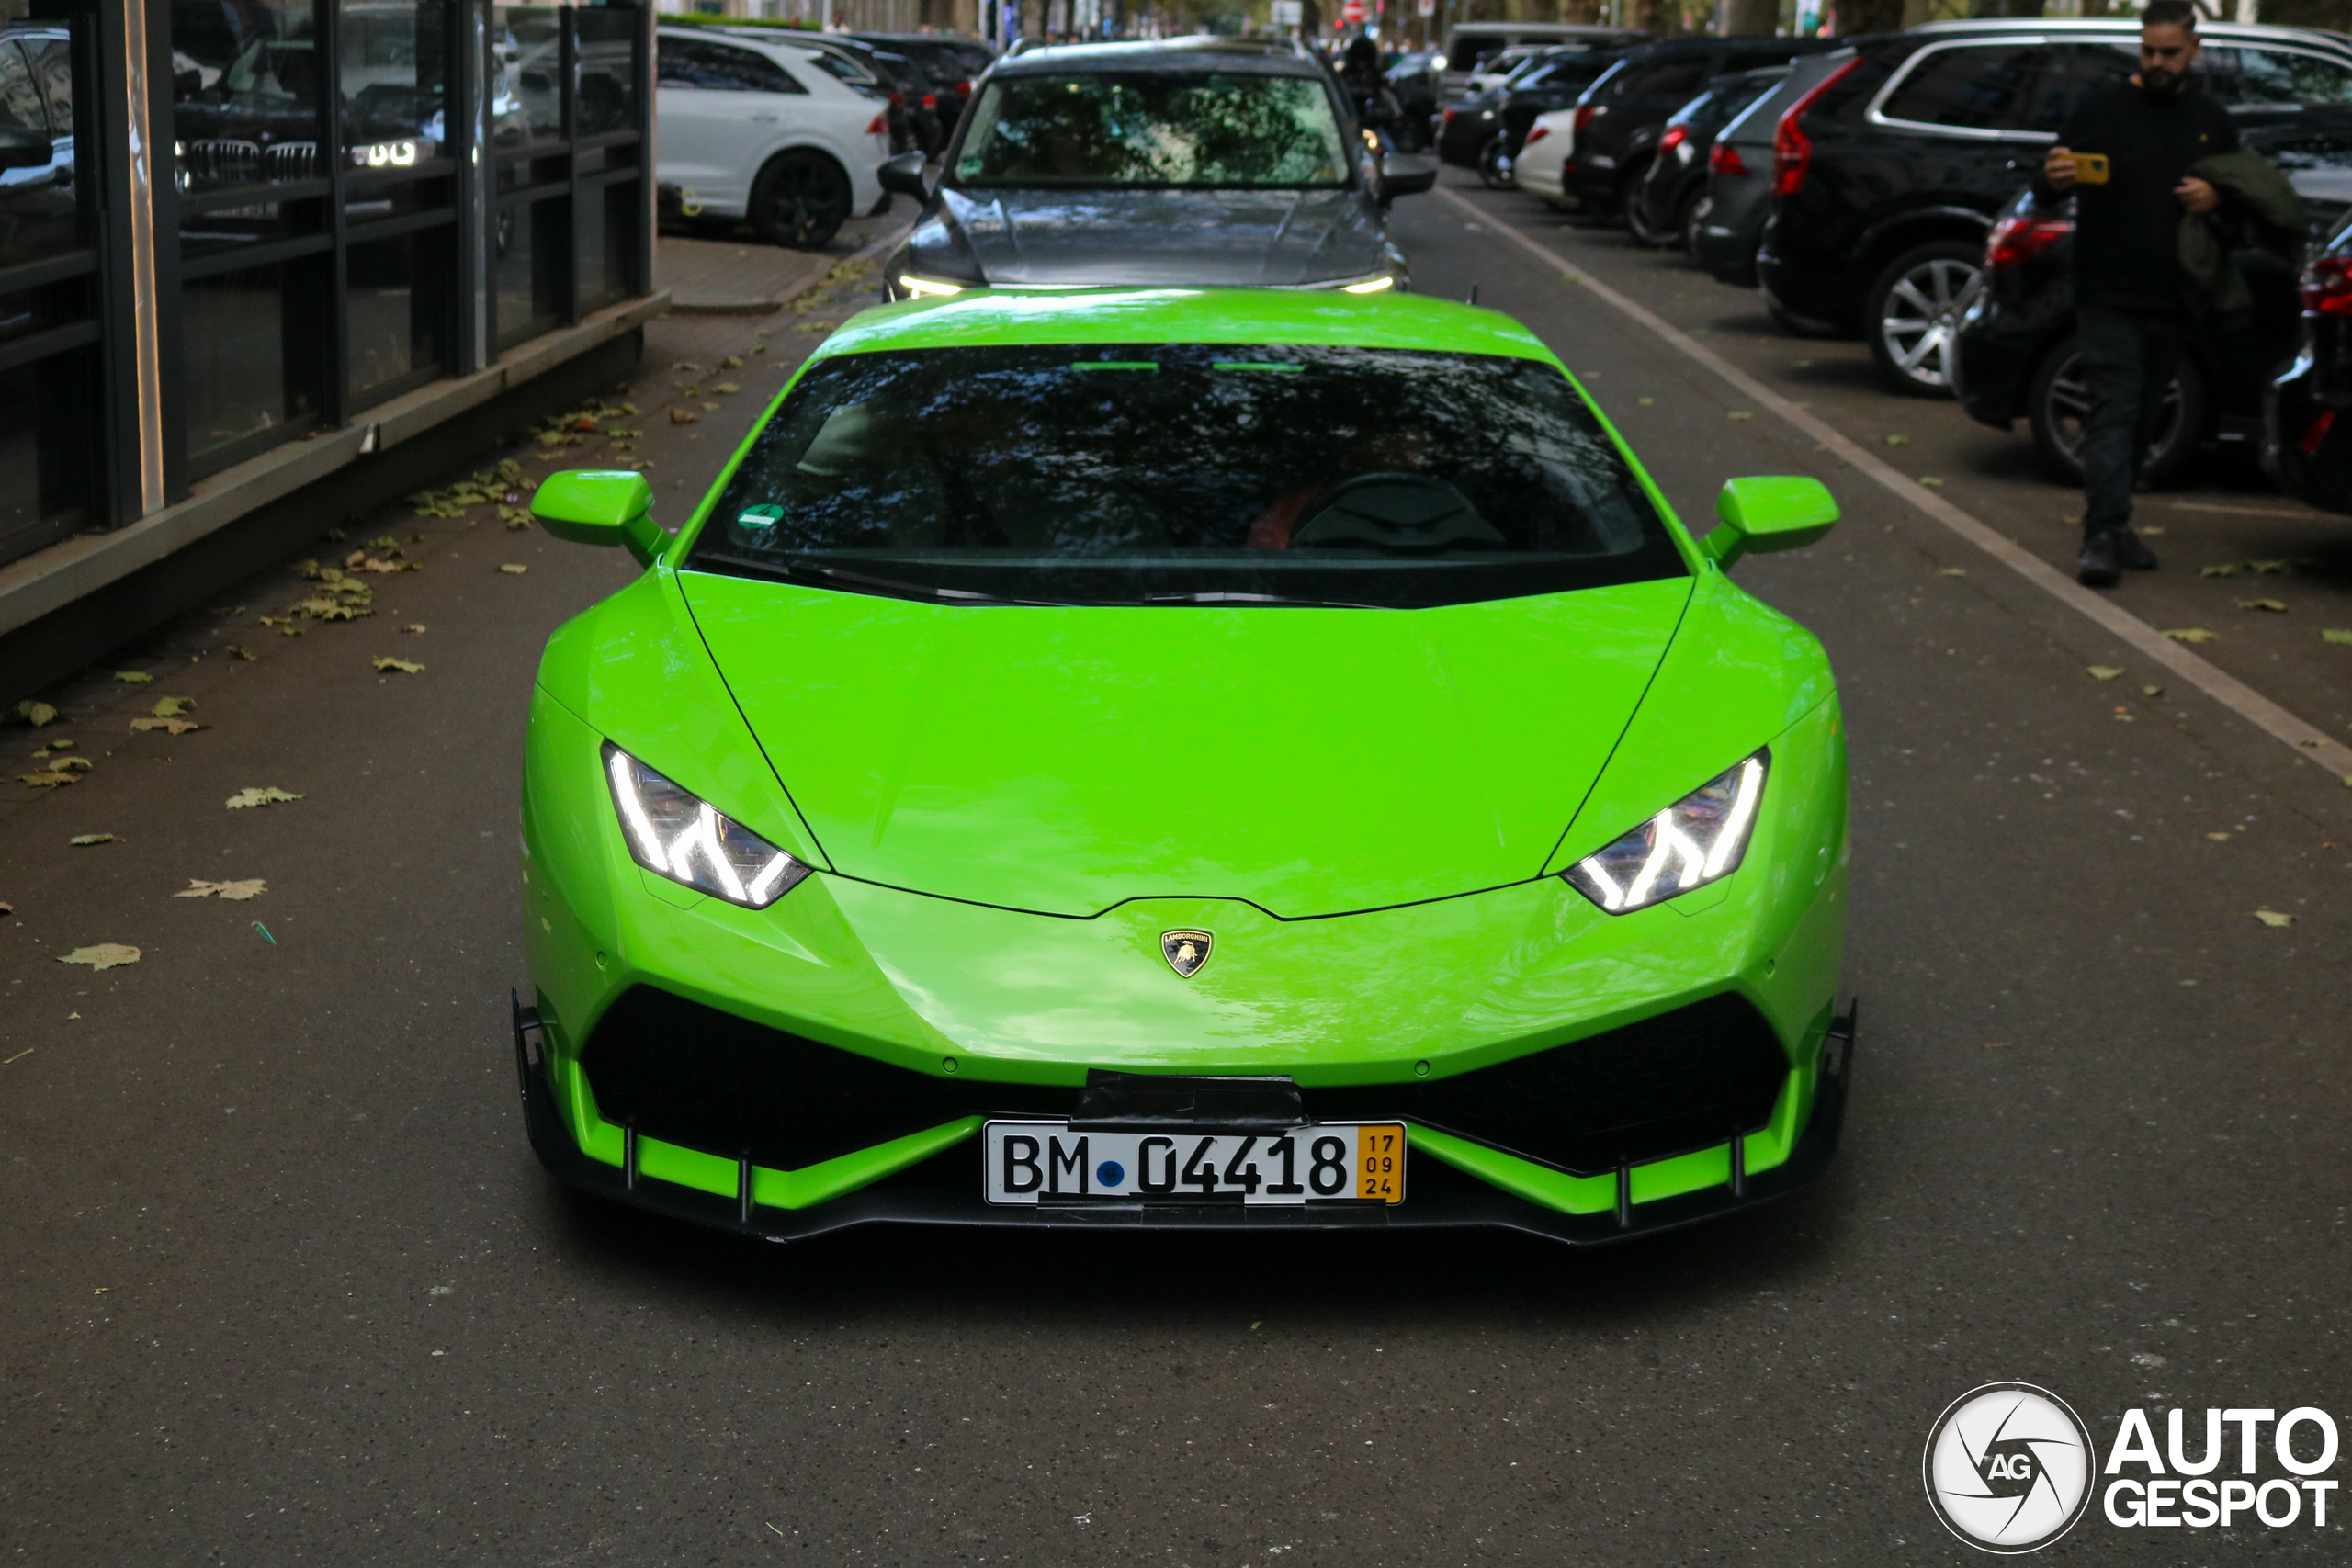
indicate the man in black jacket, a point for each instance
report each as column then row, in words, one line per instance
column 2131, row 297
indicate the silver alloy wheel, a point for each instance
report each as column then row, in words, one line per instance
column 2069, row 402
column 1919, row 323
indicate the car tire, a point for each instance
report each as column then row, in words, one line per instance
column 1638, row 220
column 1911, row 316
column 1686, row 221
column 1628, row 197
column 1495, row 165
column 2056, row 401
column 801, row 199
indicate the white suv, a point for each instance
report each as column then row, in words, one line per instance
column 761, row 130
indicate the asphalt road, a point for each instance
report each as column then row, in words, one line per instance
column 284, row 1283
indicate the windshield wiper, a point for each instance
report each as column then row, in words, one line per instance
column 892, row 586
column 1282, row 600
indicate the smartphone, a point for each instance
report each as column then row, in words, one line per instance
column 2090, row 168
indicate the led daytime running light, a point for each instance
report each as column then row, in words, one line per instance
column 1696, row 840
column 674, row 834
column 927, row 289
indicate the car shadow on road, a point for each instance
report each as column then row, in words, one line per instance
column 1343, row 1280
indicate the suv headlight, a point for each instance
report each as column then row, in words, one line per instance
column 680, row 836
column 1696, row 840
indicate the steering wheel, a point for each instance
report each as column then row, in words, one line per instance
column 1387, row 510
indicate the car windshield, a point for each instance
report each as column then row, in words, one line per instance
column 1153, row 129
column 1186, row 474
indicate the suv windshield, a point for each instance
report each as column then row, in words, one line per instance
column 1150, row 127
column 1186, row 474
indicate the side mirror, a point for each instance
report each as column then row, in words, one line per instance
column 600, row 506
column 902, row 175
column 1766, row 515
column 1406, row 174
column 22, row 149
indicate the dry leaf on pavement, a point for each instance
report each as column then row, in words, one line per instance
column 2191, row 634
column 2336, row 635
column 105, row 955
column 2273, row 606
column 238, row 651
column 385, row 666
column 2105, row 671
column 2274, row 918
column 2218, row 838
column 258, row 794
column 724, row 387
column 84, row 841
column 169, row 726
column 133, row 677
column 684, row 416
column 171, row 708
column 48, row 780
column 512, row 568
column 39, row 714
column 235, row 892
column 1949, row 570
column 2227, row 568
column 1896, row 440
column 414, row 627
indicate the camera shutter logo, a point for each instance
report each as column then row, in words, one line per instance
column 2009, row 1468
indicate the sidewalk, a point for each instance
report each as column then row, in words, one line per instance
column 741, row 276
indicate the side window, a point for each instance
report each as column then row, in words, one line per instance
column 840, row 69
column 2308, row 153
column 1992, row 86
column 715, row 67
column 52, row 60
column 2275, row 77
column 1677, row 79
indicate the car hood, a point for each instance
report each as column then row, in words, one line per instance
column 1246, row 238
column 1066, row 759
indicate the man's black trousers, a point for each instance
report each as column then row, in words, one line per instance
column 2128, row 358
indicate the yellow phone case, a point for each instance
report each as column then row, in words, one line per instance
column 2090, row 168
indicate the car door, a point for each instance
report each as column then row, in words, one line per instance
column 722, row 108
column 1985, row 111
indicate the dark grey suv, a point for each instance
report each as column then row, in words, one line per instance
column 1207, row 161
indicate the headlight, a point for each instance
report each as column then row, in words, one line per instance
column 1361, row 283
column 1691, row 843
column 914, row 286
column 673, row 834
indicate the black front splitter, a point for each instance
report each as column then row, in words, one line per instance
column 945, row 1188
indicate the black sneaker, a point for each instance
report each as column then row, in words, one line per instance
column 2131, row 552
column 2101, row 561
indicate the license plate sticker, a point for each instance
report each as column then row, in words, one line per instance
column 1031, row 1162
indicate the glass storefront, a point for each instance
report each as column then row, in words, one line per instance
column 348, row 200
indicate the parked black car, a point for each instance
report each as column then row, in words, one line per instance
column 911, row 90
column 1664, row 208
column 1622, row 117
column 951, row 64
column 2307, row 415
column 1729, row 227
column 1887, row 175
column 1418, row 80
column 1486, row 131
column 2017, row 357
column 1058, row 178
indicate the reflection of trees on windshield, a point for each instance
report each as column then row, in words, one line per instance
column 1152, row 129
column 1021, row 470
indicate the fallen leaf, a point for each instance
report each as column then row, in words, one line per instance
column 1929, row 479
column 2191, row 634
column 414, row 627
column 2268, row 568
column 1950, row 570
column 2153, row 530
column 1646, row 402
column 512, row 570
column 385, row 666
column 724, row 386
column 710, row 407
column 39, row 714
column 133, row 677
column 2105, row 671
column 1799, row 363
column 2123, row 715
column 49, row 780
column 2229, row 568
column 73, row 764
column 1896, row 440
column 239, row 650
column 2151, row 690
column 2218, row 838
column 6, row 907
column 105, row 955
column 2336, row 635
column 257, row 794
column 234, row 892
column 84, row 841
column 2274, row 918
column 384, row 541
column 684, row 416
column 171, row 708
column 169, row 726
column 289, row 631
column 2273, row 606
column 60, row 746
column 732, row 361
column 1739, row 414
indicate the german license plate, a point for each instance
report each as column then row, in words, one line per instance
column 1029, row 1162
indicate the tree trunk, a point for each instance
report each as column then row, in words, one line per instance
column 1751, row 17
column 1870, row 16
column 2332, row 13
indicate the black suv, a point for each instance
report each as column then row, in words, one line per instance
column 2017, row 352
column 1621, row 117
column 2306, row 437
column 1887, row 175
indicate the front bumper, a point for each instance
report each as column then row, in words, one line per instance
column 944, row 1187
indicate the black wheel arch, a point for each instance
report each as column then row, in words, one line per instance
column 1889, row 237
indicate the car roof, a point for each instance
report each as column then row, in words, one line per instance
column 1205, row 54
column 2095, row 25
column 1536, row 31
column 986, row 318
